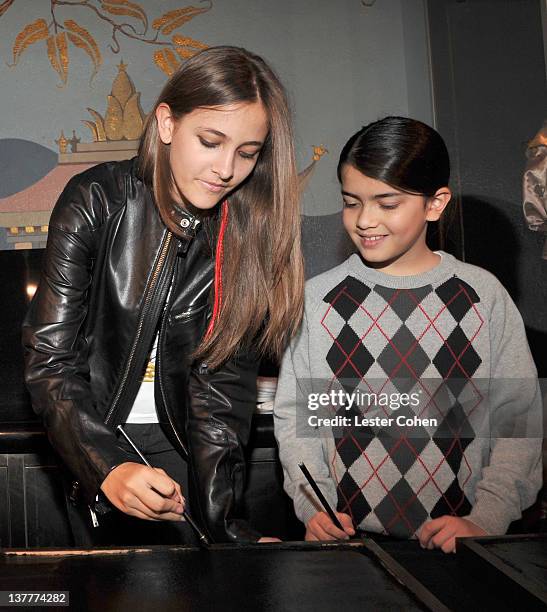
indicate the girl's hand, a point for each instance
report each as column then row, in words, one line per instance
column 320, row 527
column 145, row 492
column 443, row 531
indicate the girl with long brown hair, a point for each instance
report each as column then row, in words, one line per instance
column 166, row 278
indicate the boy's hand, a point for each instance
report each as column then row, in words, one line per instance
column 145, row 492
column 320, row 527
column 443, row 531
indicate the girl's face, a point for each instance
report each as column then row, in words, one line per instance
column 212, row 150
column 387, row 225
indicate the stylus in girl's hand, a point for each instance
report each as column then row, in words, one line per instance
column 202, row 537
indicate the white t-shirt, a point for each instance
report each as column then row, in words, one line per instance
column 144, row 408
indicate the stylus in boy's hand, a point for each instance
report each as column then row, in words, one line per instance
column 321, row 497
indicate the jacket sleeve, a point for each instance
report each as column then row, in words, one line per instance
column 220, row 408
column 511, row 480
column 56, row 369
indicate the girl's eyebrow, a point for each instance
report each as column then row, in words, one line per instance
column 255, row 143
column 378, row 196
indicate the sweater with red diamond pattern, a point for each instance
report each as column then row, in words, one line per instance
column 409, row 398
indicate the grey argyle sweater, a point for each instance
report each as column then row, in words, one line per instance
column 410, row 398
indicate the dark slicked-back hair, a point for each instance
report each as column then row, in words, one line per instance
column 404, row 153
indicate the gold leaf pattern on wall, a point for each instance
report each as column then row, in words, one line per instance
column 82, row 39
column 126, row 8
column 174, row 19
column 186, row 41
column 33, row 32
column 58, row 54
column 113, row 123
column 187, row 47
column 58, row 35
column 133, row 118
column 166, row 60
column 185, row 53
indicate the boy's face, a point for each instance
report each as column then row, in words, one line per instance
column 388, row 226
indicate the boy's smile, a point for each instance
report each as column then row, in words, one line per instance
column 387, row 225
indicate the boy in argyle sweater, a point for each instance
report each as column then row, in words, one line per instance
column 410, row 392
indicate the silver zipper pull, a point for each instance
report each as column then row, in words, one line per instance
column 94, row 518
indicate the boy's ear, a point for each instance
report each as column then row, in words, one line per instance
column 166, row 123
column 437, row 203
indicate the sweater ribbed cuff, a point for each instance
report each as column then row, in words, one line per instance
column 495, row 520
column 306, row 504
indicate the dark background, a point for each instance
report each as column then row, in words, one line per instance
column 490, row 99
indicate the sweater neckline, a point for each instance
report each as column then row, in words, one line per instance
column 434, row 276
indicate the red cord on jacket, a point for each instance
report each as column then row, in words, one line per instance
column 219, row 256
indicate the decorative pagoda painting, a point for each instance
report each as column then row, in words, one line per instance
column 78, row 38
column 114, row 136
column 79, row 77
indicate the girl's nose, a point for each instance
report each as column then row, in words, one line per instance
column 224, row 167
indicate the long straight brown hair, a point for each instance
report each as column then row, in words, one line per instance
column 262, row 271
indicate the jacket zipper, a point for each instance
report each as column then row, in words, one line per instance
column 147, row 300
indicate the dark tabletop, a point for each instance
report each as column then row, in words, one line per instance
column 249, row 578
column 373, row 574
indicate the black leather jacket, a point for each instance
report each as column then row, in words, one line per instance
column 113, row 275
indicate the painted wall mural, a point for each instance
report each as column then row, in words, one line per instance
column 114, row 137
column 126, row 19
column 116, row 132
column 79, row 76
